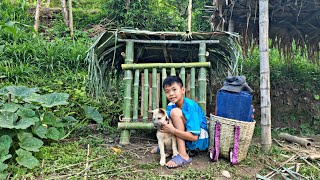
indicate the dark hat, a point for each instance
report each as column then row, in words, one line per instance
column 236, row 84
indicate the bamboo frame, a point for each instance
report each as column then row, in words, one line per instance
column 125, row 134
column 135, row 125
column 202, row 78
column 163, row 96
column 154, row 88
column 165, row 65
column 173, row 71
column 193, row 83
column 135, row 95
column 168, row 41
column 146, row 95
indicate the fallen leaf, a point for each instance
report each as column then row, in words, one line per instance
column 116, row 150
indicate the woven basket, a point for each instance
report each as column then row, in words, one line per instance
column 227, row 133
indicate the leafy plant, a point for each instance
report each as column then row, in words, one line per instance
column 26, row 118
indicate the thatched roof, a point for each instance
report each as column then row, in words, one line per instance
column 290, row 21
column 106, row 54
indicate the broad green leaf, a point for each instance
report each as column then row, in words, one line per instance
column 34, row 97
column 70, row 119
column 24, row 123
column 31, row 106
column 62, row 132
column 54, row 99
column 2, row 168
column 26, row 159
column 3, row 175
column 40, row 131
column 10, row 120
column 24, row 135
column 26, row 112
column 1, row 102
column 3, row 158
column 53, row 133
column 10, row 107
column 29, row 143
column 49, row 118
column 7, row 119
column 21, row 90
column 5, row 143
column 93, row 114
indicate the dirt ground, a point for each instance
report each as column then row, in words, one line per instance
column 140, row 147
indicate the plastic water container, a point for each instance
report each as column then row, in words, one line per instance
column 234, row 105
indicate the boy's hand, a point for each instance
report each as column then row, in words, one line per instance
column 168, row 128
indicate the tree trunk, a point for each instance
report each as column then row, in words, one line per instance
column 70, row 18
column 189, row 16
column 264, row 75
column 36, row 17
column 65, row 12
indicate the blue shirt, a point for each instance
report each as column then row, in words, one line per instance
column 196, row 123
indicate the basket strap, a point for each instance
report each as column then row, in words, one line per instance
column 235, row 151
column 217, row 140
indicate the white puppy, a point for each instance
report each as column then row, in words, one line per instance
column 166, row 142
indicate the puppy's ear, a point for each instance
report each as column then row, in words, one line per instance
column 163, row 111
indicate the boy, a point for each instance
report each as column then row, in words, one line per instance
column 189, row 122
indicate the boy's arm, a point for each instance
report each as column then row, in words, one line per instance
column 169, row 128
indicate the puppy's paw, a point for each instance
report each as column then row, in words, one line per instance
column 162, row 163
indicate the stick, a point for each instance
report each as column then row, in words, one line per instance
column 87, row 162
column 309, row 163
column 272, row 173
column 72, row 165
column 37, row 15
column 97, row 173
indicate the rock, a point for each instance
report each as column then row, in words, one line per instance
column 226, row 174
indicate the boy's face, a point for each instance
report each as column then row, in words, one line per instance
column 175, row 93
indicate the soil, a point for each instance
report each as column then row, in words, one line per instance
column 141, row 145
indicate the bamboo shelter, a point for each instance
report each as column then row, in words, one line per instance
column 143, row 59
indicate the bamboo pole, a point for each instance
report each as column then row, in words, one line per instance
column 165, row 65
column 193, row 83
column 146, row 95
column 202, row 78
column 169, row 41
column 150, row 92
column 302, row 141
column 183, row 75
column 136, row 95
column 173, row 72
column 154, row 88
column 70, row 18
column 65, row 12
column 37, row 15
column 142, row 94
column 264, row 76
column 158, row 90
column 135, row 125
column 125, row 134
column 163, row 96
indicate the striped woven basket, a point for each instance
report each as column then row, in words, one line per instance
column 227, row 135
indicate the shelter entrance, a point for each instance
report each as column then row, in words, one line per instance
column 143, row 85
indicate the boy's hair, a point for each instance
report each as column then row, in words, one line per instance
column 172, row 79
